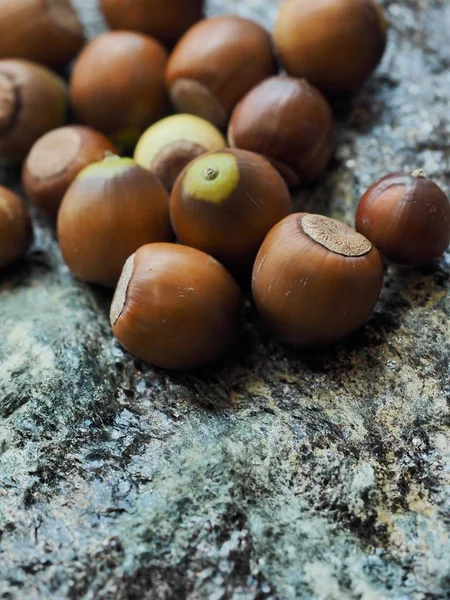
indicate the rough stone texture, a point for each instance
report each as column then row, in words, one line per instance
column 282, row 474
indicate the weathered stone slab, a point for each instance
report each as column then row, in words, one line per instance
column 281, row 474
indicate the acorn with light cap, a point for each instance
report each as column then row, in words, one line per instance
column 56, row 159
column 172, row 143
column 407, row 217
column 225, row 203
column 315, row 280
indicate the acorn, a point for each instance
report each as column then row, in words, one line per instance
column 117, row 84
column 407, row 217
column 111, row 209
column 44, row 31
column 215, row 64
column 171, row 144
column 334, row 44
column 165, row 20
column 225, row 203
column 315, row 280
column 33, row 100
column 16, row 233
column 176, row 307
column 56, row 159
column 290, row 123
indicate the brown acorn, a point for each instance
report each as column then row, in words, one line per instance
column 165, row 20
column 334, row 44
column 215, row 64
column 117, row 84
column 33, row 100
column 176, row 307
column 290, row 123
column 56, row 159
column 407, row 217
column 315, row 280
column 225, row 203
column 111, row 209
column 16, row 233
column 43, row 31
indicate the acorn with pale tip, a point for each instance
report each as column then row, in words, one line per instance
column 169, row 145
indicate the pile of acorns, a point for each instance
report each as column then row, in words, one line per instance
column 179, row 305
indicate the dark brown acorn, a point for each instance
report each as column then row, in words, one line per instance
column 407, row 217
column 290, row 123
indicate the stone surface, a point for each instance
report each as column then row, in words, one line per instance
column 281, row 474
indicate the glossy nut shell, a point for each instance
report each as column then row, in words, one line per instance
column 117, row 84
column 176, row 307
column 334, row 44
column 225, row 203
column 290, row 123
column 33, row 100
column 315, row 280
column 44, row 31
column 407, row 217
column 110, row 210
column 165, row 20
column 208, row 78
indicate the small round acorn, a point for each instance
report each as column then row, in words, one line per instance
column 290, row 123
column 225, row 203
column 315, row 280
column 111, row 209
column 407, row 217
column 16, row 233
column 44, row 31
column 56, row 159
column 215, row 64
column 167, row 147
column 334, row 44
column 176, row 307
column 33, row 100
column 117, row 84
column 165, row 20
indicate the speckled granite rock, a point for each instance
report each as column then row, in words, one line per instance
column 282, row 474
